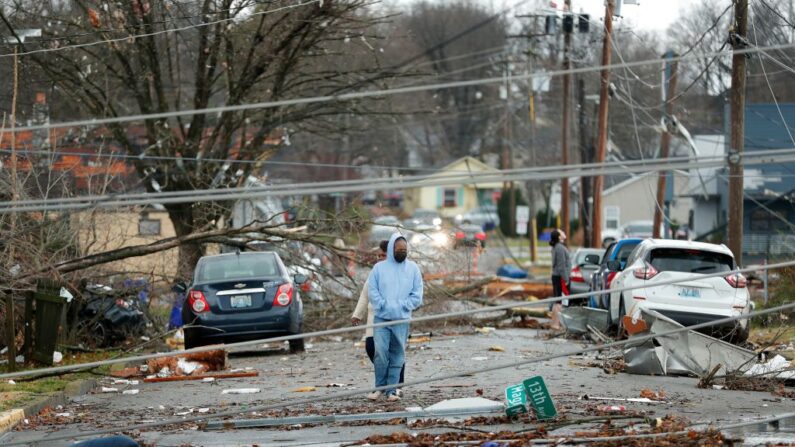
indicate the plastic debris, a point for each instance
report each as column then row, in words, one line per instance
column 63, row 415
column 57, row 357
column 11, row 382
column 241, row 391
column 479, row 359
column 131, row 392
column 612, row 408
column 203, row 410
column 776, row 364
column 105, row 389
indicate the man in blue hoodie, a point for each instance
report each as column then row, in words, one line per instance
column 395, row 289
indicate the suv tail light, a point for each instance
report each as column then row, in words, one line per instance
column 459, row 235
column 646, row 272
column 481, row 236
column 197, row 301
column 736, row 280
column 284, row 296
column 576, row 275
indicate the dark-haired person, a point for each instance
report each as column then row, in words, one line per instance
column 561, row 266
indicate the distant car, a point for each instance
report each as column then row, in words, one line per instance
column 602, row 277
column 483, row 216
column 584, row 262
column 427, row 238
column 637, row 229
column 382, row 229
column 422, row 216
column 610, row 235
column 242, row 296
column 697, row 299
column 468, row 235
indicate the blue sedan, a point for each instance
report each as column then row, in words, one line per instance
column 242, row 296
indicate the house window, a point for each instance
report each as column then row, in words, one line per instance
column 449, row 197
column 612, row 214
column 149, row 227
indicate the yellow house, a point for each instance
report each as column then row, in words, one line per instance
column 103, row 230
column 453, row 200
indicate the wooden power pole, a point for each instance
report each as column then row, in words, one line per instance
column 564, row 139
column 669, row 86
column 738, row 40
column 601, row 147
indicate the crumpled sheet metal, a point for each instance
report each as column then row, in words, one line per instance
column 687, row 352
column 576, row 319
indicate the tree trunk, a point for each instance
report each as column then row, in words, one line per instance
column 182, row 217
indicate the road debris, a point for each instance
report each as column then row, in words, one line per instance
column 643, row 400
column 131, row 392
column 204, row 378
column 241, row 391
column 576, row 319
column 496, row 348
column 304, row 389
column 105, row 389
column 777, row 367
column 649, row 394
column 188, row 364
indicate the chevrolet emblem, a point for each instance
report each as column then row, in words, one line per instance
column 239, row 285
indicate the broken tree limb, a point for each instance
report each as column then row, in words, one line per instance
column 706, row 381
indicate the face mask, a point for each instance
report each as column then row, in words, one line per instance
column 400, row 257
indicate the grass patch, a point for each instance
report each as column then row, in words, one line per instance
column 26, row 391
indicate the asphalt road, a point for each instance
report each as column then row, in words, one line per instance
column 342, row 362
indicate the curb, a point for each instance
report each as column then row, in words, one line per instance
column 9, row 419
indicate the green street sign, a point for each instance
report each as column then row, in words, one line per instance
column 539, row 397
column 516, row 400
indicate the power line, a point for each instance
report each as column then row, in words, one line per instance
column 348, row 186
column 381, row 92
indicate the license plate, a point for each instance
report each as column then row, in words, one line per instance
column 238, row 301
column 689, row 292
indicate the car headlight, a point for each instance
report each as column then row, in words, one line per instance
column 416, row 239
column 440, row 239
column 437, row 221
column 458, row 218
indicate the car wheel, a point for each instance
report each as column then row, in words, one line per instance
column 620, row 334
column 192, row 339
column 740, row 335
column 296, row 345
column 607, row 242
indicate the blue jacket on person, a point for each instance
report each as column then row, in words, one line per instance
column 395, row 288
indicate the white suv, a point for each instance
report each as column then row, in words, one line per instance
column 694, row 300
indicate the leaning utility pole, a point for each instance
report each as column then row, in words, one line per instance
column 564, row 139
column 737, row 36
column 601, row 148
column 669, row 87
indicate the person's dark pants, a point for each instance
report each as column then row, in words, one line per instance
column 369, row 346
column 558, row 288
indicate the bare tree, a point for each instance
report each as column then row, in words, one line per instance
column 226, row 52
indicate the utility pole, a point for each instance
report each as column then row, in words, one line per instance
column 738, row 40
column 564, row 139
column 507, row 153
column 601, row 148
column 585, row 155
column 669, row 88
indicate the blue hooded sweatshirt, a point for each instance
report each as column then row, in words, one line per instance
column 395, row 288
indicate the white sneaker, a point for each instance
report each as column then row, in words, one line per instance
column 393, row 398
column 375, row 395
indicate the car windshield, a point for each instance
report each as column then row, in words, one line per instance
column 386, row 220
column 639, row 229
column 424, row 214
column 625, row 250
column 690, row 261
column 228, row 268
column 580, row 258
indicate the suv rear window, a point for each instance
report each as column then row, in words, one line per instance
column 228, row 268
column 690, row 261
column 625, row 250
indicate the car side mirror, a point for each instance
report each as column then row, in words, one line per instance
column 614, row 265
column 592, row 259
column 300, row 278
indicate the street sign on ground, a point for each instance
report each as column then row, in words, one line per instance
column 516, row 400
column 539, row 398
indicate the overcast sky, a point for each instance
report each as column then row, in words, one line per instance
column 647, row 15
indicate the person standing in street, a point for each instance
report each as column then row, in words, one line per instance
column 395, row 290
column 362, row 306
column 561, row 266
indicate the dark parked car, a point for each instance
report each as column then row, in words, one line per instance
column 584, row 263
column 602, row 277
column 469, row 235
column 242, row 296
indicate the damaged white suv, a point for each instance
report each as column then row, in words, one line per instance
column 694, row 300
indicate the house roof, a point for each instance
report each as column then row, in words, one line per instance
column 768, row 126
column 462, row 165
